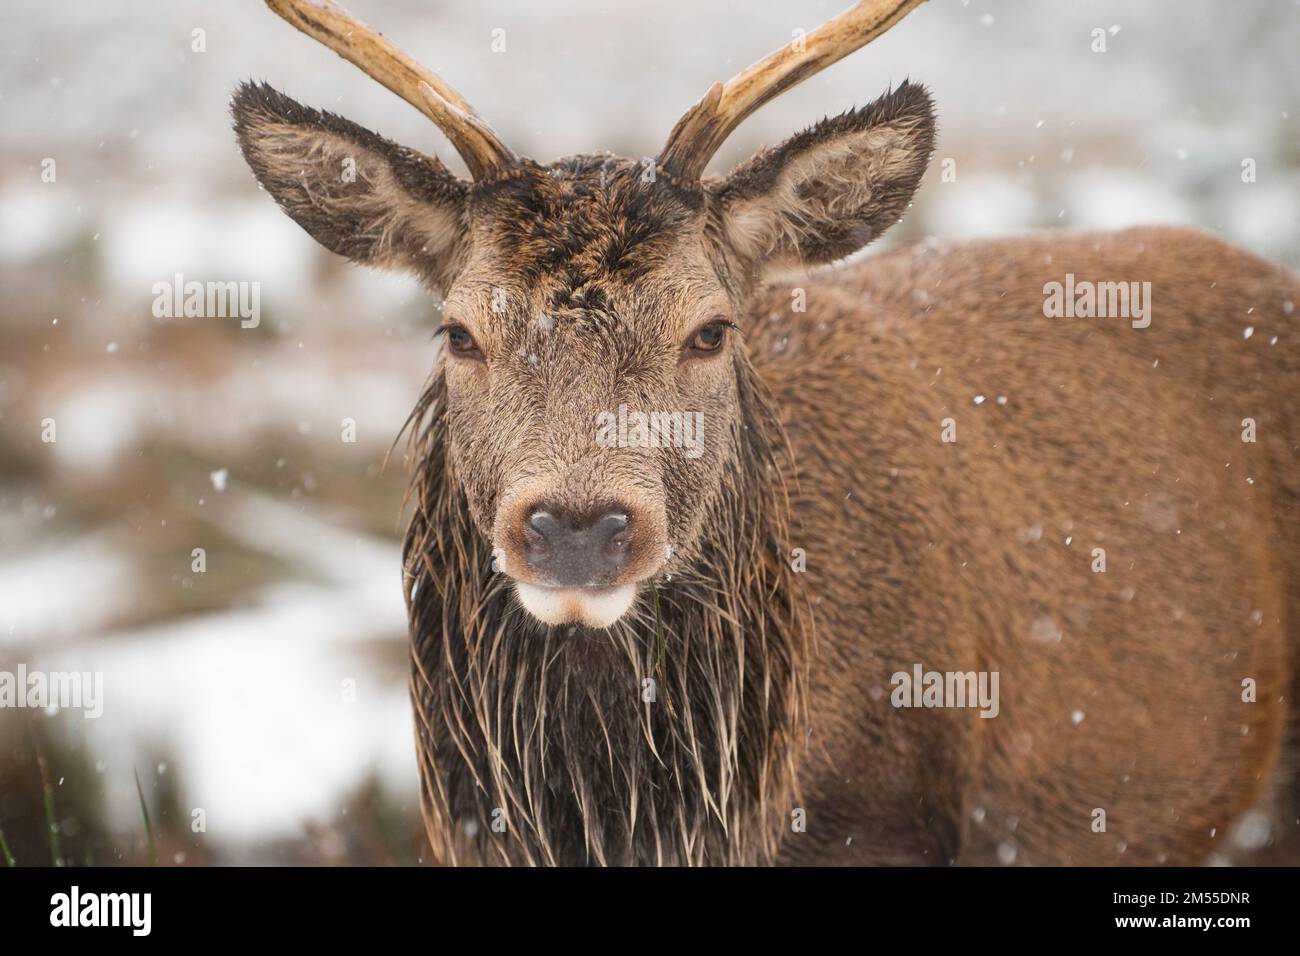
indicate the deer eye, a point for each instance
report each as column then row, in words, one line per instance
column 708, row 338
column 461, row 343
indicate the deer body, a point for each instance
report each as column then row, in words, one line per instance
column 1120, row 690
column 631, row 652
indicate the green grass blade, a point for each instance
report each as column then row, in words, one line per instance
column 47, row 796
column 148, row 830
column 4, row 848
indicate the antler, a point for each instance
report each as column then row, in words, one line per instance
column 328, row 23
column 699, row 133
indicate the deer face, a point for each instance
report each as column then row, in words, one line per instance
column 590, row 362
column 593, row 313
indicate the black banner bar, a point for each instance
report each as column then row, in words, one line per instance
column 334, row 905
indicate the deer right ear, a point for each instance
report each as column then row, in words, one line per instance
column 830, row 190
column 356, row 193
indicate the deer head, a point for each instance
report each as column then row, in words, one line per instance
column 594, row 292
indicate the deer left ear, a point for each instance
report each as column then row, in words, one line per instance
column 831, row 189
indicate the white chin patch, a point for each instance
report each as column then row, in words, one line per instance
column 594, row 607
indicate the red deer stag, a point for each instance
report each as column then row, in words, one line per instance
column 695, row 578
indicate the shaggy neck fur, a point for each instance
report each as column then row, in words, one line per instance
column 666, row 739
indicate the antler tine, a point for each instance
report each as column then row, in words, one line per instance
column 332, row 26
column 707, row 124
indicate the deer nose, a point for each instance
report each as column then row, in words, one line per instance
column 577, row 550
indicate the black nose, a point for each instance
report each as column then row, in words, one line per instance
column 582, row 550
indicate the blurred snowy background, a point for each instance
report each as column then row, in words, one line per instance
column 269, row 691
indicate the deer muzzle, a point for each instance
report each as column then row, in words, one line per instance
column 575, row 563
